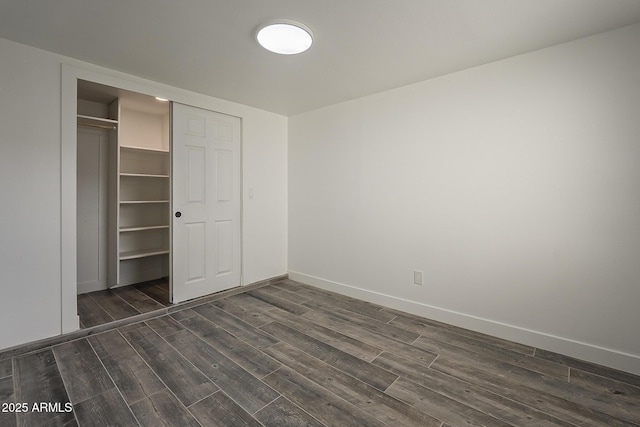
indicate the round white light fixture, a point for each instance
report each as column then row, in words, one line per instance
column 285, row 37
column 162, row 99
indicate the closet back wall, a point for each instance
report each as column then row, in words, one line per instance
column 139, row 129
column 513, row 186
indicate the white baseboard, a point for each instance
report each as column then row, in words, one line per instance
column 140, row 276
column 84, row 288
column 584, row 351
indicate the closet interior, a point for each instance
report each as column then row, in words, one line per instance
column 123, row 203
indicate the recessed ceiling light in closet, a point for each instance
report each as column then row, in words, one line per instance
column 285, row 37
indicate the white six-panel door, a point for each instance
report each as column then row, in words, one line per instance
column 206, row 202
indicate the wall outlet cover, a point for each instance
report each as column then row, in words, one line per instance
column 417, row 277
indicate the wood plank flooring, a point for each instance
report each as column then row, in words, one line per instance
column 290, row 354
column 100, row 307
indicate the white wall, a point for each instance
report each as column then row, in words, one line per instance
column 31, row 191
column 513, row 186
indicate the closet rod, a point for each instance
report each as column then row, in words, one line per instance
column 91, row 125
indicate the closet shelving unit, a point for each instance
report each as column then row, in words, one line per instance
column 132, row 218
column 144, row 202
column 138, row 204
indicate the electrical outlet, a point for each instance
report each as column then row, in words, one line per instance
column 417, row 277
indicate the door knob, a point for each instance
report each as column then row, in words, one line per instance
column 178, row 214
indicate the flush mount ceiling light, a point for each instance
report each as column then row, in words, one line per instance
column 285, row 37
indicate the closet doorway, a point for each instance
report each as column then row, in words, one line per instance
column 123, row 204
column 157, row 212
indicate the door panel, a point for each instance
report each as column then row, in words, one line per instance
column 206, row 192
column 224, row 246
column 196, row 251
column 196, row 174
column 224, row 172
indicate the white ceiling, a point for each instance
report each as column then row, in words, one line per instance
column 361, row 46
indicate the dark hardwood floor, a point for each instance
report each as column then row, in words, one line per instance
column 290, row 354
column 100, row 307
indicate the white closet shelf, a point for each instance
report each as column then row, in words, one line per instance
column 145, row 149
column 92, row 120
column 144, row 175
column 138, row 202
column 143, row 253
column 143, row 228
